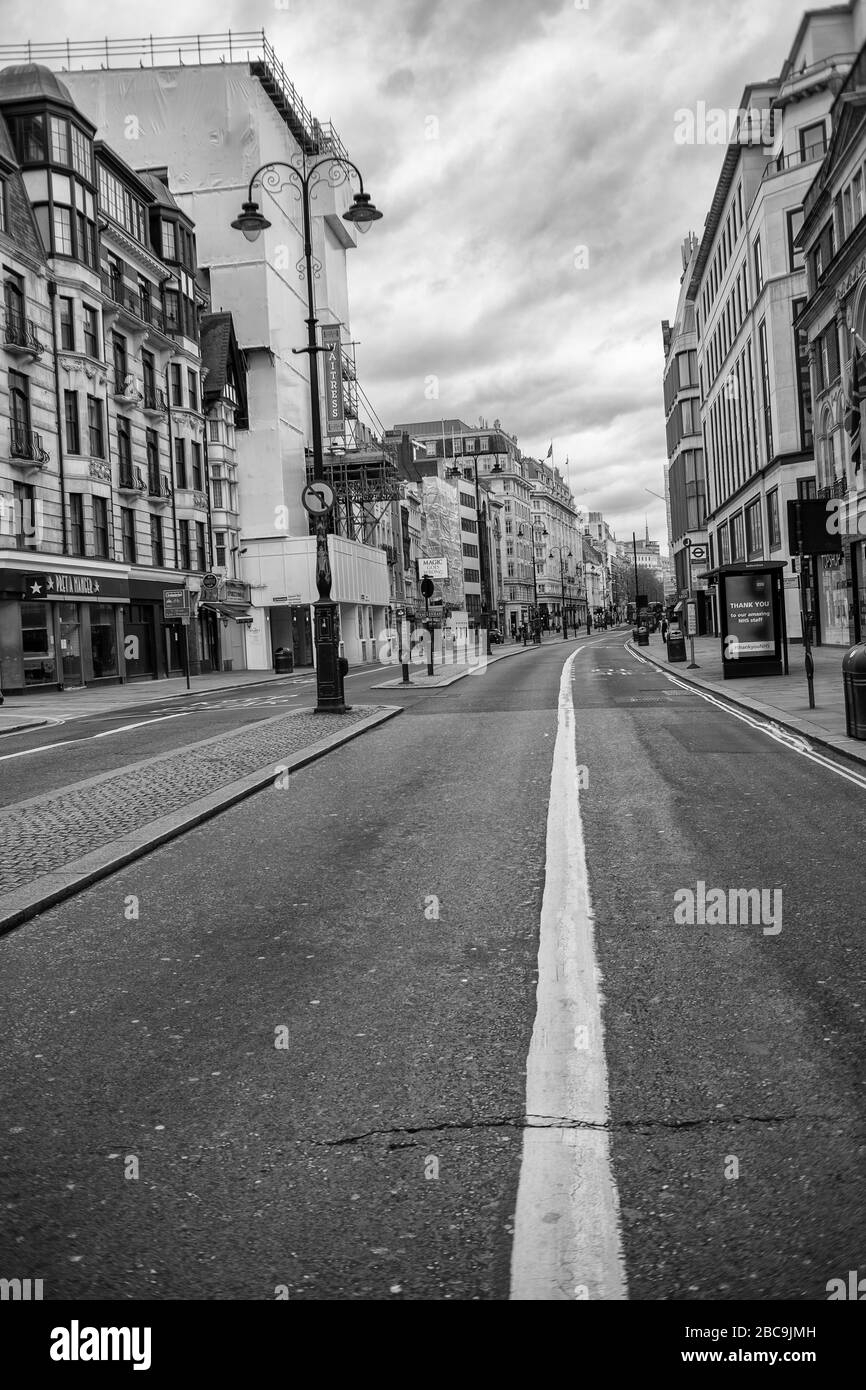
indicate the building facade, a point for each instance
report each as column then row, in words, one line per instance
column 208, row 125
column 748, row 286
column 99, row 380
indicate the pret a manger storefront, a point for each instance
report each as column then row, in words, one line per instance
column 752, row 613
column 61, row 627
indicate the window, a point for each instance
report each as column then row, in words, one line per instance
column 220, row 548
column 127, row 530
column 19, row 411
column 124, row 448
column 471, row 551
column 151, row 441
column 37, row 644
column 754, row 533
column 765, row 392
column 73, row 429
column 759, row 267
column 806, row 489
column 774, row 533
column 24, row 507
column 95, row 427
column 91, row 333
column 28, row 134
column 180, row 463
column 192, row 388
column 217, row 490
column 62, row 231
column 857, row 195
column 119, row 204
column 148, row 373
column 176, row 384
column 118, row 353
column 197, row 478
column 81, row 154
column 76, row 523
column 169, row 242
column 183, row 533
column 795, row 222
column 172, row 310
column 813, row 142
column 3, row 227
column 737, row 538
column 59, row 141
column 67, row 325
column 100, row 527
column 200, row 550
column 214, row 432
column 157, row 549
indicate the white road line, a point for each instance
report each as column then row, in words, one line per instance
column 25, row 752
column 566, row 1238
column 124, row 728
column 787, row 739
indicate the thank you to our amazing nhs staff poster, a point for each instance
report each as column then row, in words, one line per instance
column 750, row 627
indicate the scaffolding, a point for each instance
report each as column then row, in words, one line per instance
column 253, row 47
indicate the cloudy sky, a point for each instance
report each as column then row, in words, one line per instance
column 535, row 198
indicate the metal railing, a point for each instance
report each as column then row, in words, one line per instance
column 133, row 301
column 154, row 399
column 184, row 50
column 838, row 488
column 26, row 444
column 131, row 479
column 19, row 331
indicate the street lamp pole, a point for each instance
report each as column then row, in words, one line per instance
column 562, row 587
column 330, row 692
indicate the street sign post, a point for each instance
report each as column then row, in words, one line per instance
column 427, row 587
column 318, row 498
column 176, row 607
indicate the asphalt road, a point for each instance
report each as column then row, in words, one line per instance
column 310, row 1044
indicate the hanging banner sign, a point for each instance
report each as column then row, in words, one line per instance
column 333, row 355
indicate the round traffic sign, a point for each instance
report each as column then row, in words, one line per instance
column 318, row 497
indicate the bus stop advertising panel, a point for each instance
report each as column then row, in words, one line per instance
column 753, row 636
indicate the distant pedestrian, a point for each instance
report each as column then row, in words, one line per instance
column 588, row 624
column 664, row 629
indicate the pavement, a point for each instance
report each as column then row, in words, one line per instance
column 285, row 1054
column 783, row 699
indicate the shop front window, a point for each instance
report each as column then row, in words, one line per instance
column 103, row 640
column 37, row 644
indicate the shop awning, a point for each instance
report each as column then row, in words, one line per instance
column 240, row 613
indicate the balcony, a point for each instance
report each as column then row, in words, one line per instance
column 131, row 303
column 20, row 337
column 838, row 488
column 25, row 446
column 158, row 486
column 131, row 480
column 154, row 401
column 124, row 387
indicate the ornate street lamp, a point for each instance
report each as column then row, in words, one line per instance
column 330, row 693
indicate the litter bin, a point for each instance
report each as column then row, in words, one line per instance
column 641, row 635
column 284, row 662
column 854, row 684
column 676, row 644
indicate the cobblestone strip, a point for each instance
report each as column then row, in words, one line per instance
column 49, row 832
